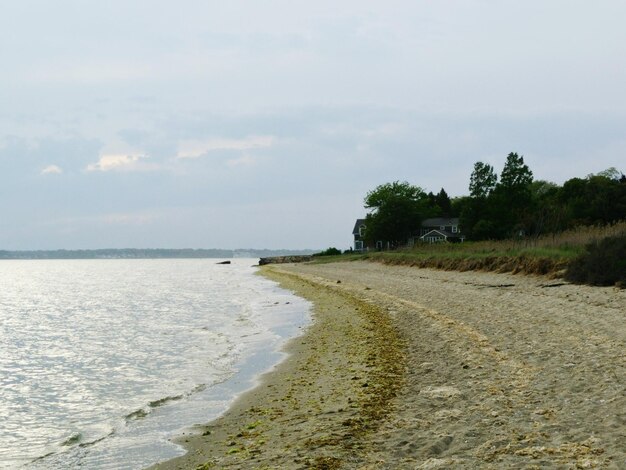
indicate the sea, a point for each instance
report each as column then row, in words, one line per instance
column 103, row 362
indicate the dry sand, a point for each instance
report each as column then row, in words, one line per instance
column 416, row 368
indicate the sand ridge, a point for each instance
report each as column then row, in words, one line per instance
column 492, row 371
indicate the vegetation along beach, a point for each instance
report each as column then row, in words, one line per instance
column 421, row 368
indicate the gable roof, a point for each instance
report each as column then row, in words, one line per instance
column 357, row 225
column 440, row 222
column 443, row 233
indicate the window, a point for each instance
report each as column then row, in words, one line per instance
column 361, row 230
column 358, row 246
column 455, row 229
column 442, row 227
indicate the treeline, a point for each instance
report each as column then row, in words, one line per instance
column 511, row 204
column 515, row 205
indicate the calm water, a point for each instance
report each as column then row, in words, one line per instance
column 102, row 361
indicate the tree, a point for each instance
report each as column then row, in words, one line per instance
column 475, row 211
column 611, row 173
column 548, row 215
column 482, row 180
column 511, row 204
column 499, row 209
column 596, row 199
column 443, row 203
column 397, row 210
column 515, row 175
column 387, row 192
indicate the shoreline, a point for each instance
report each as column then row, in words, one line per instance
column 314, row 408
column 489, row 371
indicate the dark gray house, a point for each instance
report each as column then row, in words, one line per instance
column 435, row 230
column 439, row 229
column 359, row 233
column 359, row 238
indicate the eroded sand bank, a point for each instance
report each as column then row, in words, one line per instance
column 414, row 368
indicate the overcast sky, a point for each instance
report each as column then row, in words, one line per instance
column 236, row 124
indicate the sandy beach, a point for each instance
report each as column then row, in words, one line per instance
column 416, row 368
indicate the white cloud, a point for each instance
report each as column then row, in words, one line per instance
column 51, row 170
column 116, row 163
column 196, row 148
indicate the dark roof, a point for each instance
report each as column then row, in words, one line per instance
column 359, row 222
column 440, row 222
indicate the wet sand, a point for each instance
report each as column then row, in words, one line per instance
column 416, row 368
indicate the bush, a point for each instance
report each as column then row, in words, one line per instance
column 332, row 251
column 604, row 264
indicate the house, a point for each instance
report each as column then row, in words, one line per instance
column 435, row 230
column 359, row 235
column 359, row 238
column 439, row 229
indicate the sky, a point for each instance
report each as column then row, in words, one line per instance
column 263, row 124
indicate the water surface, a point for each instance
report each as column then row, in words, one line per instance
column 102, row 361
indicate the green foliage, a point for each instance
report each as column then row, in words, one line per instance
column 397, row 210
column 515, row 175
column 440, row 204
column 548, row 215
column 388, row 192
column 611, row 173
column 596, row 199
column 499, row 210
column 512, row 200
column 332, row 251
column 513, row 207
column 482, row 180
column 604, row 264
column 443, row 204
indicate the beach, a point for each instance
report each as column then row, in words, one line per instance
column 418, row 368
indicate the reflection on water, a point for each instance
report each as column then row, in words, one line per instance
column 102, row 360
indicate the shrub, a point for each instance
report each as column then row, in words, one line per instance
column 604, row 264
column 329, row 252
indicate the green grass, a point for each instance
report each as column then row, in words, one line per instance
column 467, row 250
column 544, row 255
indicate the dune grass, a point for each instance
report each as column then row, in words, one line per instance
column 549, row 254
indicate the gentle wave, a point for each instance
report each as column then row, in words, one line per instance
column 106, row 360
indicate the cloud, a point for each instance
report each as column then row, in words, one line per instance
column 196, row 148
column 51, row 170
column 117, row 163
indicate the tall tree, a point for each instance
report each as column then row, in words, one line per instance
column 475, row 214
column 498, row 209
column 515, row 175
column 511, row 204
column 482, row 180
column 396, row 212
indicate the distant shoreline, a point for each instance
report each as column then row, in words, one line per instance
column 148, row 253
